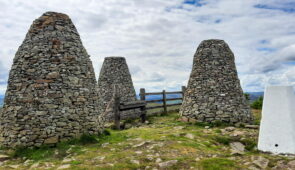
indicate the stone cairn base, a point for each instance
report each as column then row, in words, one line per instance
column 51, row 94
column 115, row 71
column 214, row 92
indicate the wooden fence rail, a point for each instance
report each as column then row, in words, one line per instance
column 119, row 106
column 164, row 99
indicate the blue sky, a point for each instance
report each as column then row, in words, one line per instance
column 159, row 37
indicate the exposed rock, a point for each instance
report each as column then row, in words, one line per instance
column 28, row 162
column 135, row 162
column 4, row 157
column 66, row 160
column 214, row 92
column 237, row 133
column 158, row 160
column 291, row 164
column 104, row 145
column 189, row 136
column 237, row 148
column 140, row 144
column 101, row 158
column 35, row 165
column 230, row 129
column 138, row 152
column 167, row 163
column 178, row 127
column 65, row 166
column 261, row 162
column 253, row 168
column 13, row 166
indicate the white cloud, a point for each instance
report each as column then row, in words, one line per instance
column 159, row 37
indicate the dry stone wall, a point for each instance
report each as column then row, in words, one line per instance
column 115, row 71
column 51, row 94
column 214, row 92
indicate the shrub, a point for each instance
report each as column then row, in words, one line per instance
column 247, row 96
column 106, row 133
column 257, row 104
column 249, row 144
column 87, row 139
column 223, row 140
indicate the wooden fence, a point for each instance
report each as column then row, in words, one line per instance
column 164, row 99
column 119, row 106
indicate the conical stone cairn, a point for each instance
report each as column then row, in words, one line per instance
column 214, row 92
column 51, row 94
column 114, row 71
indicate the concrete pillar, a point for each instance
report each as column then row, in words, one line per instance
column 277, row 127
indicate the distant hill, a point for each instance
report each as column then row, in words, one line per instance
column 168, row 96
column 253, row 96
column 1, row 100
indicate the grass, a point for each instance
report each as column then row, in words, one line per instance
column 60, row 150
column 250, row 144
column 218, row 164
column 223, row 140
column 257, row 116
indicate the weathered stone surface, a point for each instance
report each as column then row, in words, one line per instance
column 115, row 71
column 260, row 162
column 4, row 157
column 214, row 92
column 237, row 148
column 51, row 140
column 65, row 166
column 51, row 92
column 167, row 163
column 189, row 136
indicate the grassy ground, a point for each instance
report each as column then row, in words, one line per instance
column 189, row 146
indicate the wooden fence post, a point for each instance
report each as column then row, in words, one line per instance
column 142, row 94
column 142, row 109
column 143, row 114
column 117, row 107
column 164, row 102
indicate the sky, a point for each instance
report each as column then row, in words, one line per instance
column 158, row 38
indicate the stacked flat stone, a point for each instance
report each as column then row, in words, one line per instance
column 51, row 94
column 115, row 71
column 214, row 92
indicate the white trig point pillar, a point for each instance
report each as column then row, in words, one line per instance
column 277, row 127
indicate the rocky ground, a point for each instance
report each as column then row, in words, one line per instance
column 161, row 143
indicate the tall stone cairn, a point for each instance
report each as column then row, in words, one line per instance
column 115, row 71
column 51, row 94
column 214, row 92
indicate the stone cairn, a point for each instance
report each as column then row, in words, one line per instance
column 214, row 92
column 115, row 71
column 51, row 94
